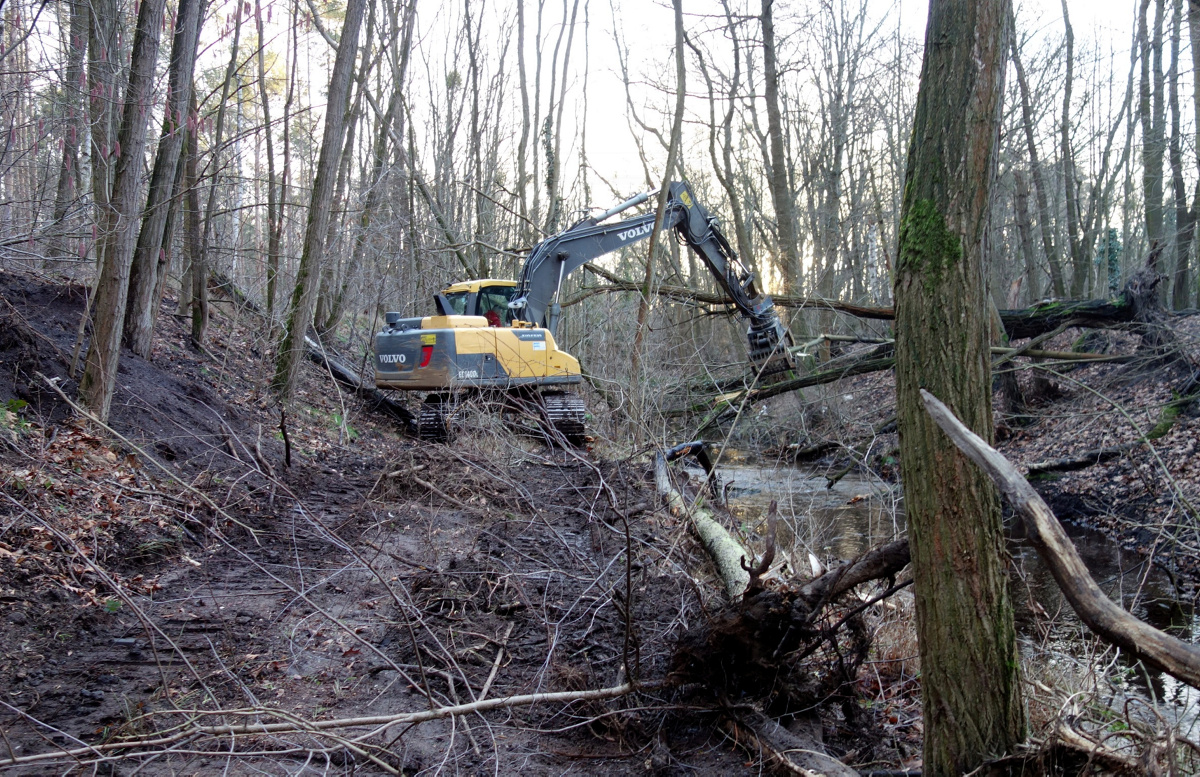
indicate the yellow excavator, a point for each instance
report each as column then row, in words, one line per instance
column 498, row 335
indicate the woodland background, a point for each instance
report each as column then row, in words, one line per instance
column 466, row 139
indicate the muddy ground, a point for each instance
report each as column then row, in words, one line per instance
column 188, row 570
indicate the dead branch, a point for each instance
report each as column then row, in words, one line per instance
column 1081, row 461
column 1113, row 624
column 377, row 723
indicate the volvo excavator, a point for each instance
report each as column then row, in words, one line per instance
column 498, row 335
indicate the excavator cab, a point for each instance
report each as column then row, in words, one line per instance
column 488, row 298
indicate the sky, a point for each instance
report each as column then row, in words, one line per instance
column 647, row 27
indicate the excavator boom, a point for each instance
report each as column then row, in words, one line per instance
column 556, row 257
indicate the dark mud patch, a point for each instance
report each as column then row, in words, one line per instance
column 374, row 576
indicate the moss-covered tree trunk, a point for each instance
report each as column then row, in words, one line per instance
column 971, row 693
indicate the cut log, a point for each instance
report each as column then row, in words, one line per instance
column 1177, row 658
column 725, row 551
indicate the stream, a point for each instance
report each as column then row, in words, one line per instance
column 861, row 511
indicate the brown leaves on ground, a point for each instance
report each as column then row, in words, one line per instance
column 73, row 501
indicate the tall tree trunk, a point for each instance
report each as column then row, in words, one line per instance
column 291, row 347
column 104, row 64
column 523, row 145
column 1033, row 285
column 273, row 204
column 203, row 263
column 553, row 127
column 193, row 247
column 777, row 174
column 150, row 260
column 472, row 31
column 1185, row 216
column 1152, row 119
column 68, row 174
column 120, row 216
column 330, row 280
column 1194, row 37
column 971, row 693
column 643, row 313
column 1045, row 223
column 1081, row 264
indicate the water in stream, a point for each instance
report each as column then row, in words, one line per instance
column 859, row 512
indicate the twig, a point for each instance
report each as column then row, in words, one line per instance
column 380, row 722
column 496, row 664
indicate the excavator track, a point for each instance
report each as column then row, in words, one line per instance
column 433, row 422
column 567, row 415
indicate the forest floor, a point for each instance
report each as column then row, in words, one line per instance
column 176, row 567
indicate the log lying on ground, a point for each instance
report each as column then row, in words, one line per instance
column 345, row 375
column 1081, row 461
column 781, row 748
column 725, row 551
column 1103, row 616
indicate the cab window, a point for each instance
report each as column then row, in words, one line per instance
column 458, row 302
column 496, row 298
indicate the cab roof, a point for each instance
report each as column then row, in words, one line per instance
column 475, row 286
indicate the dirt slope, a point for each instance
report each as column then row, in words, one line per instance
column 372, row 574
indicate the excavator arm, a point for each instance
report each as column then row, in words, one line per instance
column 555, row 258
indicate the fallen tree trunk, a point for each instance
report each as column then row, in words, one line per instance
column 1082, row 461
column 729, row 404
column 785, row 750
column 1103, row 616
column 754, row 647
column 725, row 551
column 349, row 378
column 1018, row 324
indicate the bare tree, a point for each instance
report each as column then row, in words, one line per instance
column 1152, row 115
column 150, row 259
column 120, row 217
column 781, row 190
column 1045, row 223
column 104, row 66
column 1185, row 214
column 68, row 176
column 291, row 347
column 964, row 615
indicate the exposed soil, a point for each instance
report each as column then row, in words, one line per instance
column 374, row 573
column 190, row 570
